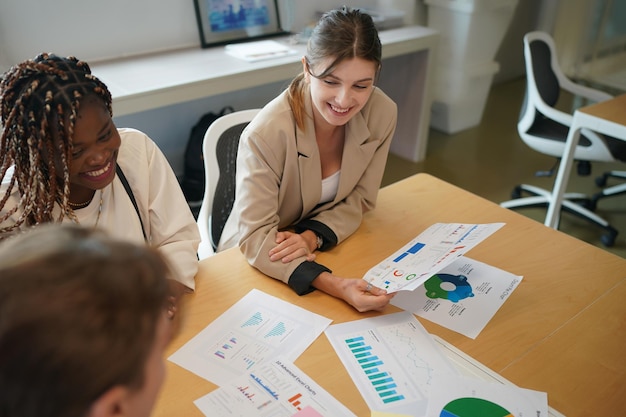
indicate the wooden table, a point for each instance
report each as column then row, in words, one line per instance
column 607, row 117
column 562, row 331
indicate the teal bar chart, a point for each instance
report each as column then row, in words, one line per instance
column 374, row 369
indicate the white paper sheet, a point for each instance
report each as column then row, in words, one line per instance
column 258, row 50
column 257, row 327
column 459, row 396
column 463, row 296
column 276, row 388
column 391, row 359
column 432, row 250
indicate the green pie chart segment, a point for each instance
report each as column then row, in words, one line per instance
column 473, row 407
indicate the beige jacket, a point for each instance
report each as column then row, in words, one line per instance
column 279, row 183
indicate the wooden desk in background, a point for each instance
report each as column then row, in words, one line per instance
column 562, row 331
column 607, row 117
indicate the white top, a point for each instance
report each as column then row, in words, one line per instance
column 168, row 221
column 330, row 185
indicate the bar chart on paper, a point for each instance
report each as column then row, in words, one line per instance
column 257, row 327
column 391, row 359
column 276, row 388
column 374, row 369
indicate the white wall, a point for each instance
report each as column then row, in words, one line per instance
column 95, row 30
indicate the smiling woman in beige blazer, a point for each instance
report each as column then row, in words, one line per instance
column 311, row 162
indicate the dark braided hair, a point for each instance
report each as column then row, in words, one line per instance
column 39, row 102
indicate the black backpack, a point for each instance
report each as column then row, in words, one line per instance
column 193, row 175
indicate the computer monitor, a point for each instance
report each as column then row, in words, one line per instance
column 230, row 21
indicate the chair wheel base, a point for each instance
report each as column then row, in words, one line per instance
column 589, row 203
column 608, row 239
column 601, row 180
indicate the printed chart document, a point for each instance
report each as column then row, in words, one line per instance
column 275, row 388
column 432, row 250
column 257, row 327
column 259, row 50
column 392, row 360
column 463, row 296
column 459, row 396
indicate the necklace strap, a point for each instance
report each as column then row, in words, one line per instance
column 80, row 205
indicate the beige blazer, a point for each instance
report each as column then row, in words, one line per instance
column 279, row 178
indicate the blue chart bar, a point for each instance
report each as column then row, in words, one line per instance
column 363, row 349
column 382, row 381
column 370, row 364
column 393, row 399
column 412, row 250
column 355, row 339
column 255, row 320
column 278, row 330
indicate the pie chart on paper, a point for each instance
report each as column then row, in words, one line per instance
column 473, row 407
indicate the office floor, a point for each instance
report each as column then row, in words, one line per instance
column 490, row 159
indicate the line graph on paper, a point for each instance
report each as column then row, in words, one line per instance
column 391, row 359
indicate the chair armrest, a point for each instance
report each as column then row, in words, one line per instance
column 585, row 92
column 204, row 248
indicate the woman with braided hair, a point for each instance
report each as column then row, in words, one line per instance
column 62, row 159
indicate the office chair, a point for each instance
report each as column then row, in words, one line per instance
column 219, row 150
column 544, row 128
column 609, row 191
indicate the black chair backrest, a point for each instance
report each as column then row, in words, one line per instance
column 224, row 198
column 545, row 78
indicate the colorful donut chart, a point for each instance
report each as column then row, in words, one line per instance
column 473, row 407
column 462, row 288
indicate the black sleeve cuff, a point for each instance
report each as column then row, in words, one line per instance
column 319, row 228
column 301, row 279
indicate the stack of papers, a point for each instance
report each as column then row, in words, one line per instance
column 259, row 50
column 400, row 371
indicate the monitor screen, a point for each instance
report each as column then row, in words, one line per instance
column 229, row 21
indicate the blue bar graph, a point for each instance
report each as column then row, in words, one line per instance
column 373, row 367
column 255, row 320
column 412, row 250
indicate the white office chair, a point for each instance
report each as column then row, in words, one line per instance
column 219, row 150
column 544, row 128
column 608, row 191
